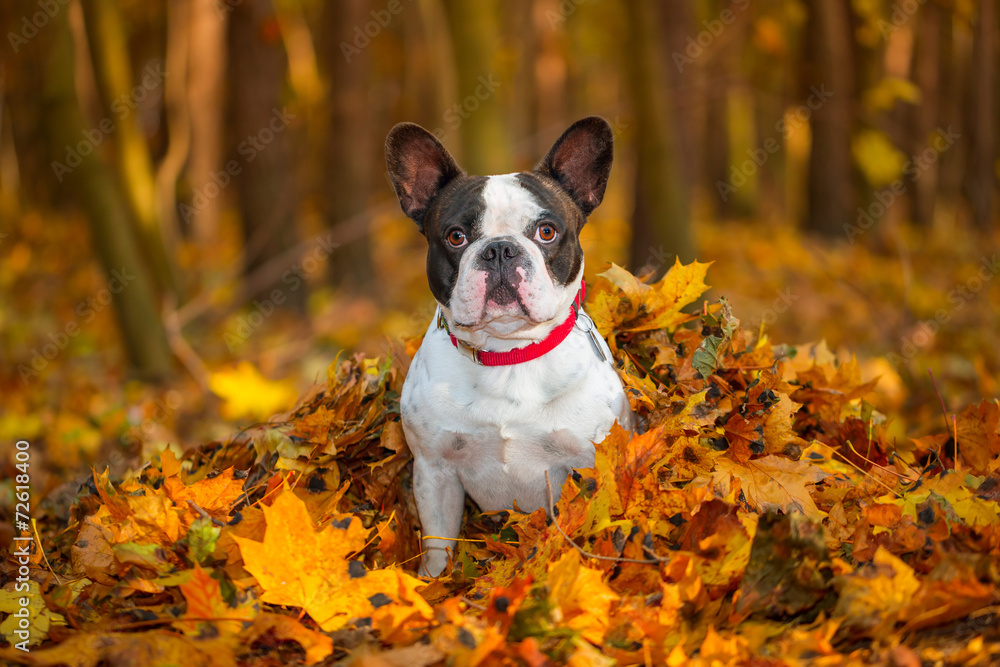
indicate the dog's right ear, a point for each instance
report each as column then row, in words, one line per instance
column 419, row 167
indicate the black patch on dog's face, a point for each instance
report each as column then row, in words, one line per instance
column 459, row 205
column 564, row 257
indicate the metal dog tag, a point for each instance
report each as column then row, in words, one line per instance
column 589, row 328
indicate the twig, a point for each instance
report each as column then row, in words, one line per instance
column 180, row 347
column 648, row 373
column 868, row 452
column 346, row 231
column 954, row 426
column 477, row 607
column 204, row 514
column 450, row 539
column 872, row 463
column 944, row 410
column 868, row 474
column 377, row 534
column 618, row 559
column 38, row 540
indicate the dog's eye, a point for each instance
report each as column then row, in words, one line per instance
column 546, row 233
column 456, row 238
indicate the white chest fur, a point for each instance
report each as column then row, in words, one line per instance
column 496, row 430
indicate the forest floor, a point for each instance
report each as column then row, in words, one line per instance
column 821, row 427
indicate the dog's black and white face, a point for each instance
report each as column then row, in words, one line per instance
column 503, row 251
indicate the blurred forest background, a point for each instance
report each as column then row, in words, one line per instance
column 196, row 217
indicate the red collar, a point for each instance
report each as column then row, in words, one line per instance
column 521, row 354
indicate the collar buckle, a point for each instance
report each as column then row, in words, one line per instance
column 470, row 351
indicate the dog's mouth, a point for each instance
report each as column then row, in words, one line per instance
column 503, row 294
column 502, row 303
column 506, row 301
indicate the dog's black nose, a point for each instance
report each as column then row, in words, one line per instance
column 500, row 252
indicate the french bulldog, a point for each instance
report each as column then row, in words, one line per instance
column 511, row 379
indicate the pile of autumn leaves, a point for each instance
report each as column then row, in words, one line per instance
column 760, row 515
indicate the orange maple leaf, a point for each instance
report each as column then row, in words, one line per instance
column 205, row 603
column 978, row 440
column 215, row 495
column 775, row 482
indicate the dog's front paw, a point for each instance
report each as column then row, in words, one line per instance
column 433, row 563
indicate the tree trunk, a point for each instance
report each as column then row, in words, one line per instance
column 981, row 179
column 954, row 95
column 347, row 157
column 477, row 112
column 830, row 188
column 660, row 229
column 267, row 191
column 108, row 213
column 119, row 93
column 205, row 106
column 926, row 115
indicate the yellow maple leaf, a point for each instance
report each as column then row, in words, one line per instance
column 38, row 617
column 248, row 394
column 960, row 493
column 875, row 597
column 298, row 566
column 631, row 305
column 716, row 649
column 580, row 596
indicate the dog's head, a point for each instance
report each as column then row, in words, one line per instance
column 503, row 251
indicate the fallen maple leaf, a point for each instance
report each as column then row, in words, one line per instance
column 298, row 566
column 204, row 603
column 156, row 649
column 316, row 645
column 773, row 482
column 873, row 598
column 38, row 617
column 215, row 495
column 636, row 306
column 581, row 598
column 978, row 437
column 249, row 395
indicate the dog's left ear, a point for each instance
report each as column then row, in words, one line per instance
column 580, row 161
